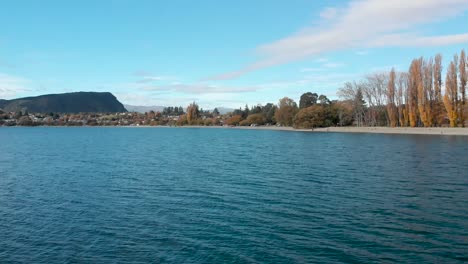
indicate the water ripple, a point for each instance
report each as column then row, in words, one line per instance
column 112, row 195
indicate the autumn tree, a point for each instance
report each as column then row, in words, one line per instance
column 426, row 92
column 25, row 121
column 253, row 119
column 286, row 111
column 438, row 105
column 451, row 92
column 182, row 120
column 415, row 81
column 391, row 104
column 151, row 115
column 311, row 117
column 233, row 120
column 193, row 113
column 463, row 80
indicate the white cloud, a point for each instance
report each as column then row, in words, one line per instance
column 362, row 52
column 133, row 98
column 325, row 63
column 214, row 95
column 322, row 60
column 141, row 73
column 204, row 100
column 311, row 70
column 362, row 24
column 149, row 79
column 329, row 13
column 408, row 40
column 387, row 68
column 200, row 88
column 333, row 65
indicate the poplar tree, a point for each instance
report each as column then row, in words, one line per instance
column 192, row 113
column 463, row 79
column 426, row 93
column 451, row 92
column 414, row 83
column 438, row 100
column 402, row 99
column 391, row 106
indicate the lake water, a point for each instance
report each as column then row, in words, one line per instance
column 172, row 195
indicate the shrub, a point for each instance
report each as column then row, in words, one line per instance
column 233, row 120
column 310, row 117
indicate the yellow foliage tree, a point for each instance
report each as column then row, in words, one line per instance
column 192, row 113
column 286, row 111
column 438, row 106
column 391, row 105
column 414, row 85
column 451, row 93
column 310, row 117
column 233, row 120
column 426, row 93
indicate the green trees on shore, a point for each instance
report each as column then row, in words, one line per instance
column 286, row 111
column 323, row 113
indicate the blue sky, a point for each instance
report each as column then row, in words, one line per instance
column 218, row 53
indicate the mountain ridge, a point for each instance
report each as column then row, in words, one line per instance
column 76, row 102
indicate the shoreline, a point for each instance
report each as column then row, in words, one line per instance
column 458, row 131
column 441, row 131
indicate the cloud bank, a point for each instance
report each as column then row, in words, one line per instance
column 361, row 24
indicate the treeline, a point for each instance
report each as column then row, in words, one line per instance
column 173, row 111
column 313, row 111
column 416, row 98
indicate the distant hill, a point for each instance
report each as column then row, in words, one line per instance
column 158, row 108
column 225, row 110
column 2, row 103
column 143, row 109
column 80, row 102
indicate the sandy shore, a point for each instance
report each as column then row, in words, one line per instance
column 399, row 130
column 377, row 130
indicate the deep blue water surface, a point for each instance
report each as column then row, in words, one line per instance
column 168, row 195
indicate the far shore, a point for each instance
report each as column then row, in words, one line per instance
column 376, row 130
column 458, row 131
